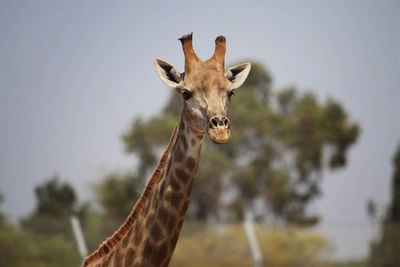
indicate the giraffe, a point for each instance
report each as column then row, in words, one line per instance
column 149, row 234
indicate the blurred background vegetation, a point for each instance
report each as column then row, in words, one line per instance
column 283, row 142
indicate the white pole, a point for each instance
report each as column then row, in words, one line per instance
column 251, row 237
column 80, row 239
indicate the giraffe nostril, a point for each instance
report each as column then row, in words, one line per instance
column 214, row 122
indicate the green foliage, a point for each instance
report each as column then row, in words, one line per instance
column 205, row 198
column 117, row 193
column 228, row 246
column 55, row 203
column 276, row 152
column 54, row 198
column 385, row 250
column 23, row 249
column 48, row 226
column 148, row 136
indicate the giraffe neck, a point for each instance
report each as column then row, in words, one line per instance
column 173, row 197
column 151, row 237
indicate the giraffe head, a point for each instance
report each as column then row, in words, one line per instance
column 205, row 87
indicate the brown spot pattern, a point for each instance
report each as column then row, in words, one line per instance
column 129, row 256
column 178, row 155
column 138, row 237
column 162, row 215
column 159, row 254
column 171, row 223
column 148, row 221
column 156, row 233
column 174, row 184
column 176, row 199
column 184, row 142
column 191, row 163
column 168, row 196
column 182, row 175
column 147, row 251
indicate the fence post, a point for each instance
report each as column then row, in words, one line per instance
column 80, row 239
column 251, row 237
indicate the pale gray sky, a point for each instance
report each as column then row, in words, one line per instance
column 73, row 75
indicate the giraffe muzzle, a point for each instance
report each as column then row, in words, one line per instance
column 219, row 129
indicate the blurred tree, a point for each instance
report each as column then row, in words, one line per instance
column 54, row 198
column 117, row 193
column 385, row 250
column 205, row 198
column 280, row 141
column 55, row 203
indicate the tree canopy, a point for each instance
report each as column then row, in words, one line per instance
column 56, row 201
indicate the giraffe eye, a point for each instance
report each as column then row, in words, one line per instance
column 186, row 94
column 230, row 94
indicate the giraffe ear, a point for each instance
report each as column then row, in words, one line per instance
column 167, row 73
column 238, row 74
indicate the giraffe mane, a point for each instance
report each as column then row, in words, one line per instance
column 114, row 240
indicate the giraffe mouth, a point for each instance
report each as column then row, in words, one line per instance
column 219, row 135
column 219, row 129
